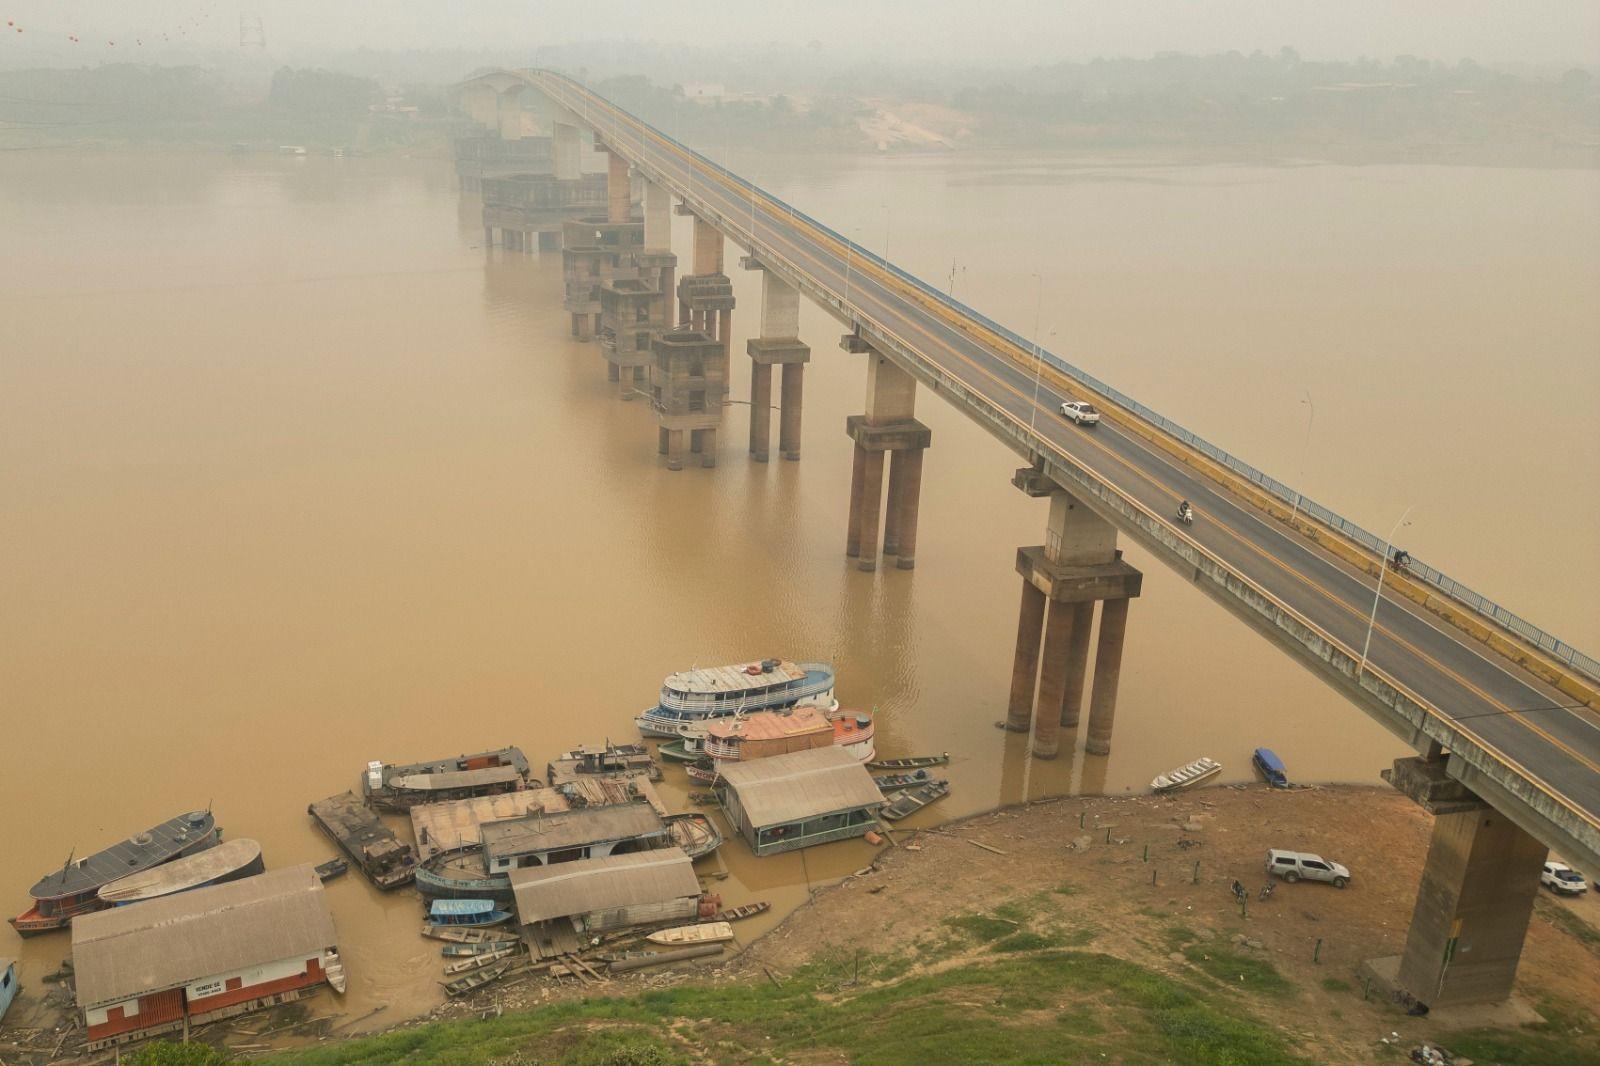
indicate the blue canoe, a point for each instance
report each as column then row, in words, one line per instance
column 466, row 912
column 1269, row 766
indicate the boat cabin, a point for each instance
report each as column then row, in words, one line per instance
column 559, row 906
column 1270, row 767
column 401, row 786
column 8, row 985
column 454, row 825
column 202, row 955
column 803, row 798
column 540, row 839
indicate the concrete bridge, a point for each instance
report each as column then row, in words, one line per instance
column 1502, row 716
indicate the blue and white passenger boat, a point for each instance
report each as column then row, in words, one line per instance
column 694, row 697
column 470, row 912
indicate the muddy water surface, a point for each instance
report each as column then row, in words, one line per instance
column 294, row 476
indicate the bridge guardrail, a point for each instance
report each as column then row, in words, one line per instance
column 1421, row 571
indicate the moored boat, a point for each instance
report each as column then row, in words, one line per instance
column 695, row 833
column 488, row 958
column 399, row 787
column 466, row 935
column 915, row 762
column 461, row 951
column 228, row 861
column 767, row 733
column 334, row 867
column 678, row 751
column 682, row 935
column 373, row 845
column 1270, row 767
column 460, row 874
column 895, row 782
column 696, row 696
column 75, row 888
column 1186, row 776
column 466, row 912
column 478, row 978
column 608, row 759
column 748, row 910
column 913, row 800
column 704, row 771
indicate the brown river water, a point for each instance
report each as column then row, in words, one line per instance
column 294, row 476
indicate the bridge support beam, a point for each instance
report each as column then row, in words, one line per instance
column 1077, row 566
column 619, row 191
column 778, row 345
column 887, row 426
column 1475, row 898
column 567, row 150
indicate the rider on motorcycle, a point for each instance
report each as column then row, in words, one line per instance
column 1185, row 512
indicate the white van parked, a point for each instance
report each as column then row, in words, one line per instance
column 1295, row 865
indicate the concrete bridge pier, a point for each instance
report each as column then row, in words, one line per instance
column 887, row 427
column 566, row 147
column 778, row 345
column 1078, row 565
column 1475, row 898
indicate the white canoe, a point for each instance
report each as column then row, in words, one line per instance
column 1184, row 776
column 708, row 933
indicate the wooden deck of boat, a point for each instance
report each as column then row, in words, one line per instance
column 733, row 678
column 455, row 824
column 598, row 791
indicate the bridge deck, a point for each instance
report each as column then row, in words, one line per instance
column 1537, row 732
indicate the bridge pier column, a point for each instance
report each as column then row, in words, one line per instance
column 1475, row 897
column 619, row 191
column 1077, row 566
column 566, row 148
column 887, row 426
column 778, row 345
column 674, row 450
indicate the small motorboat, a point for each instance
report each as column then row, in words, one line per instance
column 748, row 910
column 674, row 751
column 915, row 762
column 469, row 912
column 695, row 833
column 333, row 970
column 1186, row 776
column 1270, row 767
column 895, row 782
column 488, row 958
column 466, row 934
column 685, row 935
column 335, row 867
column 478, row 978
column 462, row 951
column 913, row 800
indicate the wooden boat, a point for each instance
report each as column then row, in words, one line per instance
column 684, row 935
column 748, row 910
column 478, row 978
column 224, row 862
column 915, row 762
column 703, row 799
column 462, row 951
column 624, row 956
column 333, row 970
column 674, row 751
column 386, row 861
column 401, row 787
column 460, row 875
column 693, row 697
column 466, row 934
column 763, row 734
column 695, row 833
column 894, row 782
column 703, row 771
column 488, row 958
column 1186, row 776
column 74, row 889
column 468, row 912
column 335, row 867
column 913, row 800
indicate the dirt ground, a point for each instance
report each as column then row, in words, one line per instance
column 1381, row 836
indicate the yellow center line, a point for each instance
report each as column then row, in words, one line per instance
column 892, row 285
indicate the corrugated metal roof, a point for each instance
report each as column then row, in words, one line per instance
column 168, row 942
column 570, row 888
column 771, row 725
column 569, row 829
column 801, row 784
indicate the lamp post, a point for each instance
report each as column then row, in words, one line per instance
column 1305, row 450
column 1383, row 566
column 1038, row 362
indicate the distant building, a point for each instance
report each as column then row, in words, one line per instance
column 794, row 801
column 559, row 906
column 202, row 955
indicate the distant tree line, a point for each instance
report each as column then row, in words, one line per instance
column 321, row 92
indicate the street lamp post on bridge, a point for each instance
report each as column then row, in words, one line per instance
column 1383, row 566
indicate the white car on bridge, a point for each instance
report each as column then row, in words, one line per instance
column 1081, row 412
column 1561, row 878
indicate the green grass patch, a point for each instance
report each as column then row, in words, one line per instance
column 1066, row 888
column 1026, row 940
column 1237, row 970
column 1047, row 1007
column 1334, row 984
column 981, row 927
column 1570, row 923
column 1177, row 937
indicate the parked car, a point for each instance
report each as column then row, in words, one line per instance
column 1081, row 412
column 1294, row 865
column 1559, row 877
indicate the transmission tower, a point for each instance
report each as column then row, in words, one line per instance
column 251, row 33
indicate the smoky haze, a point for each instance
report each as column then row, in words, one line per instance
column 895, row 32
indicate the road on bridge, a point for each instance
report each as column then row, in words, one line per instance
column 1528, row 723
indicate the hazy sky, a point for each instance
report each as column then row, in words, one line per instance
column 1538, row 31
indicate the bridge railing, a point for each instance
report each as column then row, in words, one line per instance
column 1421, row 571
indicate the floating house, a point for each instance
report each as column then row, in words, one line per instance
column 592, row 832
column 202, row 955
column 793, row 801
column 559, row 906
column 453, row 826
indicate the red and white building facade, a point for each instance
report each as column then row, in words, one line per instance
column 202, row 955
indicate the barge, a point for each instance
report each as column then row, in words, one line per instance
column 75, row 888
column 401, row 786
column 227, row 861
column 376, row 850
column 692, row 697
column 618, row 760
